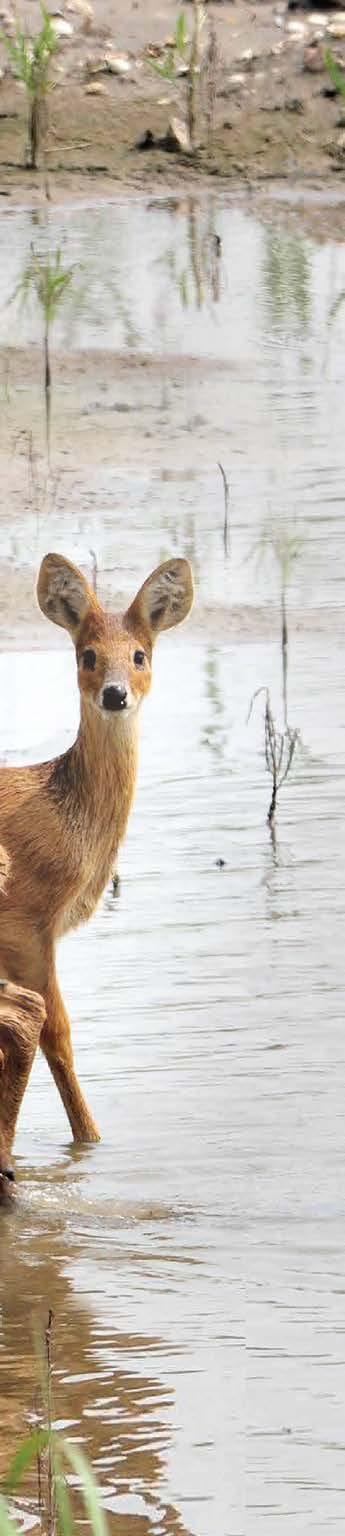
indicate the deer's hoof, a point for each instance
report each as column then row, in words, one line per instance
column 7, row 1186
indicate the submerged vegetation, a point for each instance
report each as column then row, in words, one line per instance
column 280, row 747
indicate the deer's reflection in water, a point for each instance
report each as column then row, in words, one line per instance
column 106, row 1391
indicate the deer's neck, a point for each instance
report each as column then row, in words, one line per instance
column 96, row 779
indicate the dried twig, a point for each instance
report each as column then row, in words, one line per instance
column 51, row 1509
column 193, row 78
column 209, row 80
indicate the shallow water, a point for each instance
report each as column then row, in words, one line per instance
column 195, row 1260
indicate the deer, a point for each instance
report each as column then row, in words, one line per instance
column 62, row 823
column 22, row 1015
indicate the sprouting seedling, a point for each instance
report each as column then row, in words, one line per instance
column 47, row 280
column 335, row 73
column 286, row 548
column 184, row 57
column 30, row 59
column 168, row 68
column 280, row 747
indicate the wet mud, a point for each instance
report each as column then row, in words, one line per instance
column 267, row 107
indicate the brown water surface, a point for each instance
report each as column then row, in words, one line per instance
column 195, row 1260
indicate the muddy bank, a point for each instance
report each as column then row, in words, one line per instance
column 273, row 114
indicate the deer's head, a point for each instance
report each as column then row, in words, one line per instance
column 114, row 652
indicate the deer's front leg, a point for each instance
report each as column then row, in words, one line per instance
column 57, row 1046
column 22, row 1016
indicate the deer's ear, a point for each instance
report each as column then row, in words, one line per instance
column 63, row 593
column 164, row 599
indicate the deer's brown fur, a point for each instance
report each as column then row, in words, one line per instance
column 61, row 822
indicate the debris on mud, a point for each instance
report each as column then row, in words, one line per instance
column 175, row 140
column 95, row 88
column 107, row 64
column 178, row 137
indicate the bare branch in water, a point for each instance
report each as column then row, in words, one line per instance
column 280, row 747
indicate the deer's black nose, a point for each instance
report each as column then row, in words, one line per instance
column 115, row 697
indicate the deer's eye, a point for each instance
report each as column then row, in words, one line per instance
column 89, row 660
column 139, row 658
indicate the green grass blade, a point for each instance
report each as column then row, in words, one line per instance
column 166, row 70
column 8, row 1527
column 336, row 74
column 181, row 34
column 62, row 1497
column 20, row 57
column 80, row 1466
column 24, row 1457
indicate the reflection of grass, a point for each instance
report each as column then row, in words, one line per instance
column 87, row 303
column 198, row 281
column 43, row 487
column 285, row 548
column 336, row 306
column 98, row 293
column 332, row 316
column 287, row 278
column 214, row 735
column 47, row 280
